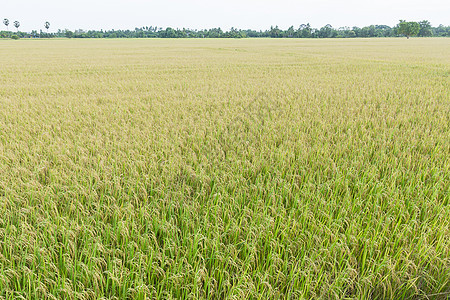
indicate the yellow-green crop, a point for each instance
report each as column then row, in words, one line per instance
column 225, row 169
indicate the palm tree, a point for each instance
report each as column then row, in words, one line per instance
column 17, row 25
column 6, row 22
column 47, row 25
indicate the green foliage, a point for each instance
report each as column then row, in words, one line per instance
column 275, row 32
column 441, row 30
column 68, row 34
column 15, row 37
column 408, row 29
column 303, row 31
column 425, row 29
column 327, row 32
column 169, row 33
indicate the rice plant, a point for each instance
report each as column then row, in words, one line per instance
column 225, row 169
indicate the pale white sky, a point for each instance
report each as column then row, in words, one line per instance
column 200, row 14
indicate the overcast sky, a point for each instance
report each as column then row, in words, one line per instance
column 200, row 14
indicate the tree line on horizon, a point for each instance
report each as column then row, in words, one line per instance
column 403, row 28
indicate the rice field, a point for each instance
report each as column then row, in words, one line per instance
column 225, row 169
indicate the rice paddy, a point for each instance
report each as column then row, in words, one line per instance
column 225, row 169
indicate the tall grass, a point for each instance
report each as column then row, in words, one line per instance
column 225, row 169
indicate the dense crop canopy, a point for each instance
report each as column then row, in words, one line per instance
column 224, row 169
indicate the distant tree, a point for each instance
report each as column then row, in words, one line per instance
column 290, row 32
column 327, row 31
column 357, row 31
column 68, row 34
column 384, row 30
column 425, row 28
column 170, row 33
column 6, row 22
column 422, row 28
column 17, row 25
column 408, row 28
column 275, row 32
column 371, row 31
column 304, row 31
column 441, row 30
